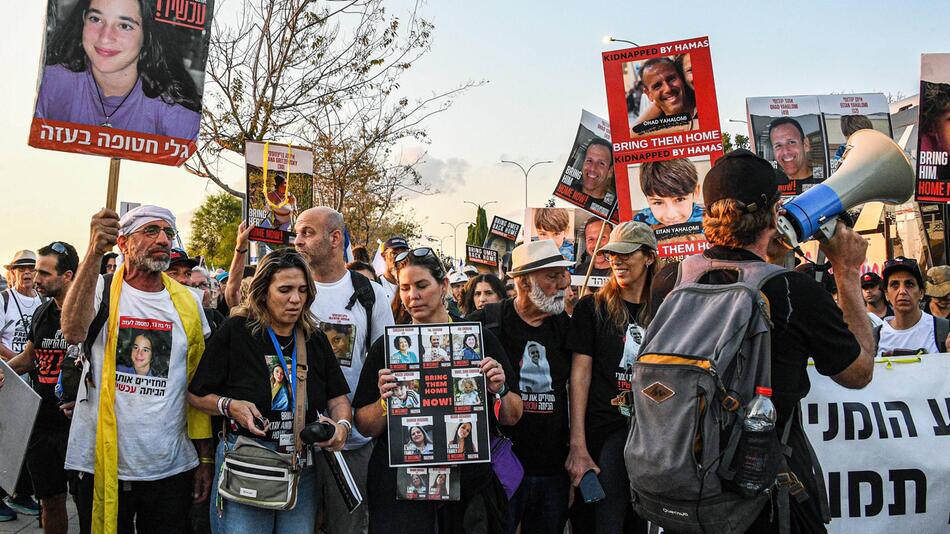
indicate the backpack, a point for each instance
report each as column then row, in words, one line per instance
column 364, row 294
column 704, row 353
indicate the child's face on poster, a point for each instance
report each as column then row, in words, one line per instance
column 558, row 237
column 672, row 210
column 112, row 35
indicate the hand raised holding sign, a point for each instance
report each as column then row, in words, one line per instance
column 104, row 231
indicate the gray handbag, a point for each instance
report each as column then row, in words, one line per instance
column 254, row 475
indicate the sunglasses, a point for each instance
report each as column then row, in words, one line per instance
column 58, row 247
column 420, row 252
column 153, row 230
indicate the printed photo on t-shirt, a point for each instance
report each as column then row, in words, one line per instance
column 143, row 351
column 631, row 345
column 417, row 487
column 535, row 369
column 417, row 437
column 403, row 345
column 341, row 340
column 406, row 394
column 466, row 387
column 440, row 483
column 279, row 385
column 436, row 344
column 466, row 343
column 460, row 435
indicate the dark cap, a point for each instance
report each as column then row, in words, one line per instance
column 742, row 175
column 396, row 242
column 901, row 263
column 870, row 279
column 178, row 255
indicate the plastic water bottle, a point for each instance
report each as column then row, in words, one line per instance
column 755, row 444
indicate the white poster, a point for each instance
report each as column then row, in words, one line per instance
column 15, row 425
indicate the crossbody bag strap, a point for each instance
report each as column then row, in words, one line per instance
column 300, row 394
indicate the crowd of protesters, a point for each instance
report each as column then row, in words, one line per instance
column 198, row 360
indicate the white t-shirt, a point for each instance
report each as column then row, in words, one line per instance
column 346, row 330
column 389, row 290
column 151, row 381
column 16, row 326
column 919, row 336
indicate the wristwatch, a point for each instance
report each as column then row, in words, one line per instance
column 504, row 390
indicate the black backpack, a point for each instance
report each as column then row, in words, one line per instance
column 364, row 294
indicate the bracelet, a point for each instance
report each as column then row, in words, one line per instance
column 504, row 390
column 239, row 251
column 382, row 402
column 206, row 460
column 347, row 424
column 227, row 407
column 220, row 403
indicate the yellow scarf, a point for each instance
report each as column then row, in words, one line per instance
column 105, row 506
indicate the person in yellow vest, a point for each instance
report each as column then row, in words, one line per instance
column 150, row 452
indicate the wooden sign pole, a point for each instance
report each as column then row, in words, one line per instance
column 112, row 192
column 590, row 268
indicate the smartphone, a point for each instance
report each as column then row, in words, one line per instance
column 590, row 488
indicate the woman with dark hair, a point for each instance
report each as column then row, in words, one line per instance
column 440, row 487
column 417, row 441
column 236, row 376
column 108, row 265
column 402, row 354
column 141, row 352
column 423, row 286
column 482, row 290
column 112, row 64
column 606, row 330
column 461, row 443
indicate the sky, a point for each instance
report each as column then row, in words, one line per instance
column 541, row 63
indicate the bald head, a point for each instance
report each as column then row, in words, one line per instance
column 320, row 239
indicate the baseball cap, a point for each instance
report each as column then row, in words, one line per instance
column 938, row 281
column 457, row 278
column 742, row 175
column 901, row 263
column 870, row 279
column 395, row 242
column 629, row 237
column 178, row 255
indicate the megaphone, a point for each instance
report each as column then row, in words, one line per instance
column 873, row 168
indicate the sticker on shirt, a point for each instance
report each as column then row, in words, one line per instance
column 631, row 347
column 427, row 483
column 279, row 386
column 436, row 346
column 537, row 388
column 417, row 444
column 460, row 439
column 49, row 353
column 404, row 346
column 466, row 344
column 406, row 396
column 143, row 351
column 465, row 388
column 341, row 338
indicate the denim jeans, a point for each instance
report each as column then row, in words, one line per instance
column 237, row 517
column 540, row 505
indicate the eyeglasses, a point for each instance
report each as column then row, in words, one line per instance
column 420, row 252
column 153, row 230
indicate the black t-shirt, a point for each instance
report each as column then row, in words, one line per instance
column 49, row 348
column 594, row 335
column 806, row 323
column 239, row 365
column 541, row 436
column 473, row 477
column 581, row 270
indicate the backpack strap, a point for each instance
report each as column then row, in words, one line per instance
column 492, row 313
column 941, row 330
column 6, row 299
column 364, row 294
column 101, row 316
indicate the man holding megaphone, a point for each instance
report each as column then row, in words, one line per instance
column 742, row 196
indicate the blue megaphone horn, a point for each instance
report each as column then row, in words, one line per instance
column 873, row 168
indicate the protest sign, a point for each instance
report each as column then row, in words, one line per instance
column 556, row 224
column 788, row 132
column 487, row 257
column 845, row 114
column 274, row 202
column 588, row 178
column 587, row 228
column 933, row 137
column 878, row 446
column 15, row 425
column 662, row 102
column 428, row 484
column 152, row 116
column 439, row 412
column 502, row 236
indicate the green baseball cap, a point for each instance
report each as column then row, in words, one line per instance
column 629, row 237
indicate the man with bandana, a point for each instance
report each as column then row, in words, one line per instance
column 130, row 439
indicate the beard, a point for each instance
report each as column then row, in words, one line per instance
column 151, row 265
column 553, row 304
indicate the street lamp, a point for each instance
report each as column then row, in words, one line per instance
column 609, row 39
column 480, row 206
column 455, row 237
column 737, row 120
column 525, row 176
column 442, row 245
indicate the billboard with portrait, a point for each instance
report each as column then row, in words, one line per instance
column 122, row 78
column 845, row 114
column 662, row 103
column 588, row 177
column 933, row 141
column 787, row 131
column 279, row 187
column 556, row 224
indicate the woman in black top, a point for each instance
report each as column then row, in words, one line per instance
column 423, row 286
column 235, row 379
column 605, row 336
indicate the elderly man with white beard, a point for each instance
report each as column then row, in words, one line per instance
column 533, row 328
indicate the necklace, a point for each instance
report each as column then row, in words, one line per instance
column 285, row 348
column 108, row 116
column 33, row 300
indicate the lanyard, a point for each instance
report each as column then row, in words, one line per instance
column 292, row 374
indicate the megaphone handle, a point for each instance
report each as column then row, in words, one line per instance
column 827, row 230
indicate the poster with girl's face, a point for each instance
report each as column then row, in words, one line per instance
column 143, row 352
column 467, row 387
column 122, row 78
column 461, row 436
